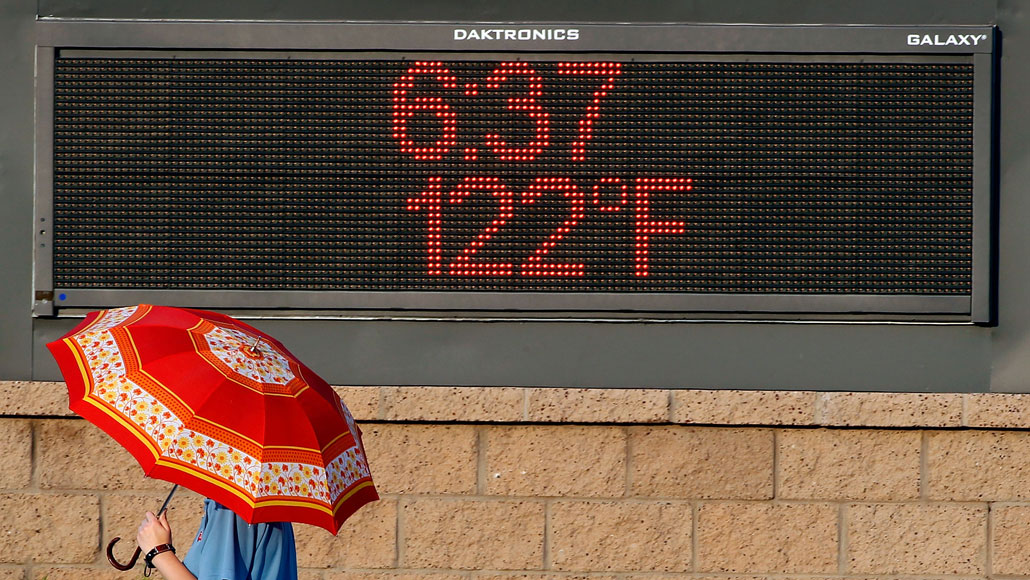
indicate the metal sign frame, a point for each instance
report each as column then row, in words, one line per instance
column 975, row 44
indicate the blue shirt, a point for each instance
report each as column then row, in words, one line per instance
column 228, row 548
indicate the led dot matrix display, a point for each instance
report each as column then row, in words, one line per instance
column 509, row 174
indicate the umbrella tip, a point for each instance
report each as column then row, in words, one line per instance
column 253, row 349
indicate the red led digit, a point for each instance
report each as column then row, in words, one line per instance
column 535, row 265
column 404, row 109
column 431, row 200
column 644, row 227
column 463, row 264
column 606, row 70
column 525, row 104
column 623, row 194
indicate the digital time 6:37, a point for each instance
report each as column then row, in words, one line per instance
column 632, row 195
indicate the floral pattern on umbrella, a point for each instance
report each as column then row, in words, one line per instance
column 187, row 434
column 247, row 358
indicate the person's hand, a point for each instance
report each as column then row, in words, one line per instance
column 153, row 531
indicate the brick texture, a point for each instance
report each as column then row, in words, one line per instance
column 704, row 463
column 49, row 528
column 597, row 405
column 997, row 410
column 555, row 461
column 621, row 536
column 1010, row 537
column 34, row 398
column 87, row 573
column 917, row 539
column 407, row 458
column 586, row 484
column 744, row 407
column 473, row 534
column 77, row 455
column 978, row 465
column 848, row 464
column 452, row 404
column 368, row 539
column 363, row 575
column 546, row 576
column 15, row 454
column 890, row 409
column 767, row 538
column 362, row 402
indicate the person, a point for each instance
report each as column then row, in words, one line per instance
column 225, row 548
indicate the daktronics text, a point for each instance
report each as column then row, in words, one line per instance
column 523, row 34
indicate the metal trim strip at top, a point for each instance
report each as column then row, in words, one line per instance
column 517, row 36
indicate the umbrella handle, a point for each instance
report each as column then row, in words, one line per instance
column 115, row 563
column 135, row 555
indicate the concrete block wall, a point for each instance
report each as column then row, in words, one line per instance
column 534, row 484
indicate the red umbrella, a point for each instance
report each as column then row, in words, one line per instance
column 206, row 401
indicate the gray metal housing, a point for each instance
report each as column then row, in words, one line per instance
column 469, row 348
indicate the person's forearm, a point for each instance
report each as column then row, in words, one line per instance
column 171, row 568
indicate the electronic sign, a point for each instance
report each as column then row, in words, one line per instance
column 520, row 168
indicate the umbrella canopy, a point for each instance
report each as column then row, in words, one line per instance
column 206, row 401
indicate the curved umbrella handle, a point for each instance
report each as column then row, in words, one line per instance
column 135, row 555
column 115, row 563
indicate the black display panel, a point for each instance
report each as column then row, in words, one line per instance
column 510, row 175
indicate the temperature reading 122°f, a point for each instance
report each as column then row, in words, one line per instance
column 528, row 88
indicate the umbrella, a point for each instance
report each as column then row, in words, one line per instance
column 203, row 400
